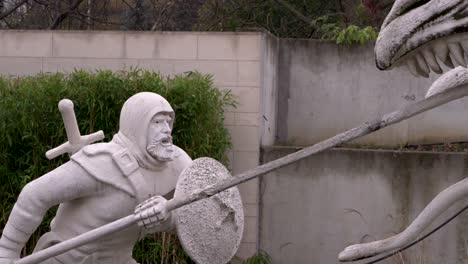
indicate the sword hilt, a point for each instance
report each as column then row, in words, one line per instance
column 75, row 140
column 65, row 107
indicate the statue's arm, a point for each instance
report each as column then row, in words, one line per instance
column 65, row 183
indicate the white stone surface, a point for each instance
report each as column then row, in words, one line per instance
column 210, row 230
column 180, row 46
column 249, row 191
column 247, row 250
column 248, row 98
column 20, row 66
column 25, row 43
column 75, row 140
column 242, row 138
column 71, row 64
column 250, row 210
column 224, row 72
column 83, row 44
column 246, row 119
column 229, row 46
column 249, row 73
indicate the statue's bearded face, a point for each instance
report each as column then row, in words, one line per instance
column 159, row 138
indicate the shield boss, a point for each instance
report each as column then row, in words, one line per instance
column 210, row 230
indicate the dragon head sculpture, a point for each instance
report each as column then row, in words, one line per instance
column 416, row 32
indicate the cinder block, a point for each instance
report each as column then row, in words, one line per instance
column 246, row 250
column 244, row 138
column 245, row 160
column 230, row 157
column 20, row 66
column 229, row 118
column 89, row 44
column 249, row 73
column 247, row 119
column 26, row 43
column 218, row 46
column 249, row 191
column 70, row 64
column 239, row 46
column 250, row 46
column 248, row 99
column 250, row 209
column 165, row 45
column 164, row 67
column 250, row 229
column 224, row 72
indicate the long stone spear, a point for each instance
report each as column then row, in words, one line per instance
column 441, row 97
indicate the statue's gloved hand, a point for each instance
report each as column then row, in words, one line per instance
column 152, row 214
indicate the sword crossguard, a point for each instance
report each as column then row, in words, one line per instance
column 75, row 140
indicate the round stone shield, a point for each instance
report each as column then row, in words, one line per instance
column 210, row 230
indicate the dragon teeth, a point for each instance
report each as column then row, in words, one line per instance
column 423, row 61
column 411, row 63
column 423, row 68
column 456, row 51
column 431, row 61
column 442, row 52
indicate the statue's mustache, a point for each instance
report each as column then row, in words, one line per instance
column 162, row 140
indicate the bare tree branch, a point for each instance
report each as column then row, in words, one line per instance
column 163, row 10
column 296, row 12
column 13, row 9
column 127, row 4
column 42, row 3
column 64, row 15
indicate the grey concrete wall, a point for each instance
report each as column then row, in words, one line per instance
column 234, row 60
column 269, row 98
column 312, row 209
column 326, row 88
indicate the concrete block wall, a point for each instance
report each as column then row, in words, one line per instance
column 325, row 89
column 312, row 209
column 234, row 59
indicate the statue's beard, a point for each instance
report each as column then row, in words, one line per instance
column 161, row 149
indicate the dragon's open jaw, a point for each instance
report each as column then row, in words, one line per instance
column 424, row 34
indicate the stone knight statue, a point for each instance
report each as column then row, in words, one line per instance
column 132, row 174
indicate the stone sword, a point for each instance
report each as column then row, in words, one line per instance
column 75, row 140
column 441, row 97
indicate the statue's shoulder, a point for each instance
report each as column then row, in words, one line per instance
column 98, row 149
column 109, row 163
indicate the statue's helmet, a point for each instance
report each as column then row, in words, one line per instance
column 136, row 116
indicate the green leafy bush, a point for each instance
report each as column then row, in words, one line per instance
column 348, row 35
column 260, row 258
column 30, row 124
